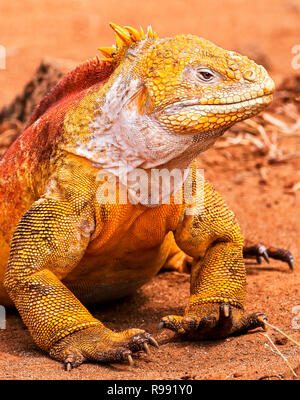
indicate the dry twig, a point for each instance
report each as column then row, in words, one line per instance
column 275, row 348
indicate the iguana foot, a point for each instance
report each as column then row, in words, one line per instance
column 260, row 251
column 213, row 321
column 100, row 344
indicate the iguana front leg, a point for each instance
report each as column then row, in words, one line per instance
column 218, row 276
column 48, row 243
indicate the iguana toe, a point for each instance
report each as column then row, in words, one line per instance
column 73, row 358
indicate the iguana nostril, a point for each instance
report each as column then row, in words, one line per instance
column 250, row 75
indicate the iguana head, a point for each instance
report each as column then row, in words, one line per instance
column 186, row 83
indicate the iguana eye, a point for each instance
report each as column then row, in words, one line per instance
column 205, row 75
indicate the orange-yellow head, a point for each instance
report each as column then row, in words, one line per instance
column 188, row 84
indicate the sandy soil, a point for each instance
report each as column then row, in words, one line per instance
column 267, row 209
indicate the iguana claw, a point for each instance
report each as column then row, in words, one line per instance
column 146, row 348
column 260, row 251
column 153, row 342
column 68, row 366
column 221, row 320
column 226, row 310
column 130, row 360
column 263, row 252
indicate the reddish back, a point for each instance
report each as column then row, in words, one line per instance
column 84, row 76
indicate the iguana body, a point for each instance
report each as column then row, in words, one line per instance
column 154, row 103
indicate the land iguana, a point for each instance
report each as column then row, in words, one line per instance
column 151, row 104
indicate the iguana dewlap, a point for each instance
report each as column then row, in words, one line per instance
column 152, row 104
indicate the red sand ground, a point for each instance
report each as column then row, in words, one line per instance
column 267, row 211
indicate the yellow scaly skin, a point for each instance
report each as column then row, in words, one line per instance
column 164, row 101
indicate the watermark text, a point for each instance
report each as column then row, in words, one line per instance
column 296, row 58
column 2, row 57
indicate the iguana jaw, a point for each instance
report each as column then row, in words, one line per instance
column 226, row 106
column 209, row 117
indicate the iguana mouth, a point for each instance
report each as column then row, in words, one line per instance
column 259, row 100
